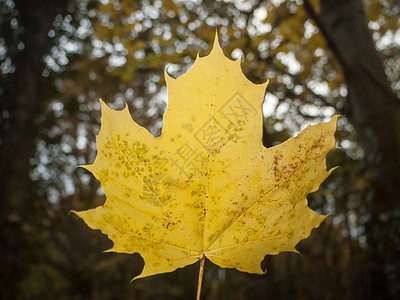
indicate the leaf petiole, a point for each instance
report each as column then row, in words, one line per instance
column 200, row 277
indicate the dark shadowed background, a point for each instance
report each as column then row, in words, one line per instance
column 322, row 58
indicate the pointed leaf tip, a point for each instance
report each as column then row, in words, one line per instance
column 216, row 45
column 167, row 76
column 104, row 106
column 101, row 102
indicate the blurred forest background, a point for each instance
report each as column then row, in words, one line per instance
column 322, row 57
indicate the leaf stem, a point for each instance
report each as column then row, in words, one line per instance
column 200, row 277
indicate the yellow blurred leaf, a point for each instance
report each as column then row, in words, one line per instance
column 207, row 186
column 171, row 6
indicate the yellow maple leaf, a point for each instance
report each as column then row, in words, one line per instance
column 207, row 186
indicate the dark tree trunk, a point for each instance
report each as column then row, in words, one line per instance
column 23, row 101
column 374, row 110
